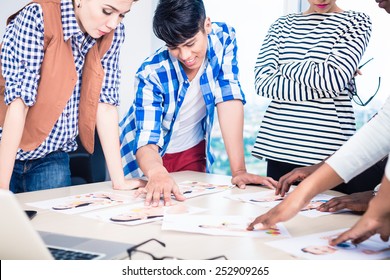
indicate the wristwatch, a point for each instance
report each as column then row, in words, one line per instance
column 375, row 191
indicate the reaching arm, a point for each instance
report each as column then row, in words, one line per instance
column 21, row 57
column 294, row 176
column 107, row 127
column 365, row 148
column 321, row 180
column 375, row 220
column 159, row 180
column 355, row 202
column 153, row 117
column 231, row 120
column 12, row 134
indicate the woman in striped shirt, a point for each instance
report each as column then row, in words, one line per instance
column 366, row 147
column 306, row 66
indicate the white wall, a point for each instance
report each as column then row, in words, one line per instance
column 7, row 9
column 251, row 20
column 140, row 43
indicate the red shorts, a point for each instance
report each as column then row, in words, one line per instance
column 193, row 159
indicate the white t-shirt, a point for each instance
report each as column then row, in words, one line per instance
column 188, row 130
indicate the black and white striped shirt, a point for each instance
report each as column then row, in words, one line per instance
column 305, row 64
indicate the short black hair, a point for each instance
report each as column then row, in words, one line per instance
column 176, row 21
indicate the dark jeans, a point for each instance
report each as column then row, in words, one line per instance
column 51, row 171
column 365, row 181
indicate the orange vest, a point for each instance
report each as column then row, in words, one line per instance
column 57, row 82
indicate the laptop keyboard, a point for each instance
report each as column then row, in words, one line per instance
column 71, row 254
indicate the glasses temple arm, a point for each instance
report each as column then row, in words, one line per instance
column 140, row 244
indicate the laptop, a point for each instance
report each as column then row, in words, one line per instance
column 19, row 240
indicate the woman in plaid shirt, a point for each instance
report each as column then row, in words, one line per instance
column 33, row 71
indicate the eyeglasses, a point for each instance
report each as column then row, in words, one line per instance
column 353, row 90
column 135, row 254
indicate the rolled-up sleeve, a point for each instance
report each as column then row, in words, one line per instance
column 229, row 87
column 110, row 63
column 22, row 55
column 149, row 111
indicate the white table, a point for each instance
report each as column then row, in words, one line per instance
column 180, row 244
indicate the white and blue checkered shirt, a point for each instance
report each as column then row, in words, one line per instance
column 22, row 55
column 161, row 85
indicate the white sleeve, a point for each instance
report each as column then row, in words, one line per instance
column 369, row 145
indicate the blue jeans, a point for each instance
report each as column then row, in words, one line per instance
column 49, row 172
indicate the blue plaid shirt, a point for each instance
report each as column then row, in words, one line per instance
column 22, row 55
column 161, row 85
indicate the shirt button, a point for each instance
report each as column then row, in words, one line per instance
column 67, row 115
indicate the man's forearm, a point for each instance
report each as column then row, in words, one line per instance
column 150, row 161
column 231, row 121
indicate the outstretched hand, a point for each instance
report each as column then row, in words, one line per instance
column 244, row 178
column 284, row 211
column 356, row 202
column 375, row 220
column 366, row 227
column 160, row 186
column 296, row 175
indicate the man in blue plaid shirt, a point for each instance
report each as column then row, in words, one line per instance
column 169, row 124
